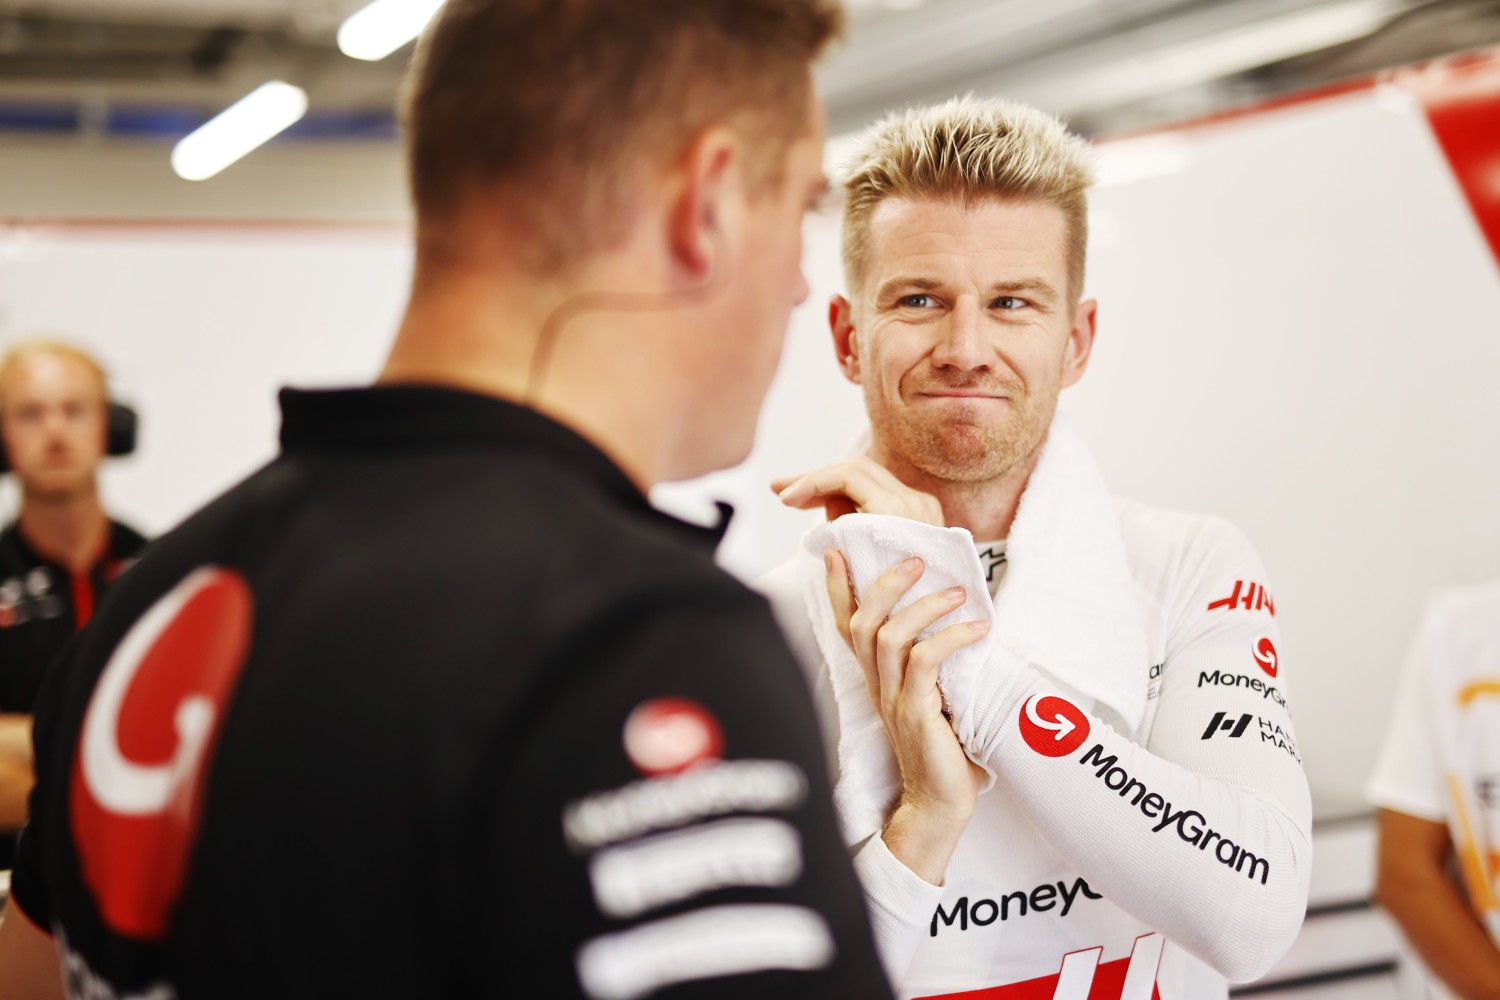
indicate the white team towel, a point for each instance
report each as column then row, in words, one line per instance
column 1067, row 606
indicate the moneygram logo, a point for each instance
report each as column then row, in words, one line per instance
column 1265, row 655
column 1220, row 679
column 1052, row 726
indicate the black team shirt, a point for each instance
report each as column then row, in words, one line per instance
column 42, row 606
column 436, row 704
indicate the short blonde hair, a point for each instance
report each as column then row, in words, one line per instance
column 26, row 350
column 971, row 150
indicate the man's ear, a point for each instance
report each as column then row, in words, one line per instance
column 701, row 206
column 1080, row 341
column 845, row 337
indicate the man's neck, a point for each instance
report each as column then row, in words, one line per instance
column 72, row 531
column 465, row 331
column 986, row 508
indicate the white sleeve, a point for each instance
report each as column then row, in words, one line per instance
column 1204, row 831
column 1407, row 777
column 782, row 589
column 894, row 894
column 893, row 891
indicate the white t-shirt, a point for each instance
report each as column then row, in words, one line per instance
column 1408, row 777
column 1175, row 857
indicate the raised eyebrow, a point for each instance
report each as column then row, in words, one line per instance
column 1027, row 286
column 889, row 288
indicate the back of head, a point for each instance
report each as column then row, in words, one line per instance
column 969, row 150
column 547, row 112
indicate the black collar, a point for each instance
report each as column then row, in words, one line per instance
column 422, row 416
column 18, row 555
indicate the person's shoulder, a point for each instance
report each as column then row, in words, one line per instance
column 1471, row 609
column 1469, row 599
column 782, row 585
column 1165, row 536
column 125, row 542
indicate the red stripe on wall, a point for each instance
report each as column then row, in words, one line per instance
column 1462, row 98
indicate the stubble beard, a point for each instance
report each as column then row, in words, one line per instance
column 55, row 487
column 959, row 451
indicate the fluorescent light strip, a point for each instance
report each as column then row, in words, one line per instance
column 374, row 32
column 245, row 125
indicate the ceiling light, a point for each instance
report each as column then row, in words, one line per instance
column 246, row 124
column 374, row 32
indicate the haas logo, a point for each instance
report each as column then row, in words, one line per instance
column 668, row 735
column 1084, row 977
column 1265, row 655
column 1052, row 726
column 148, row 734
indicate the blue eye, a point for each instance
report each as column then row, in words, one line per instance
column 1010, row 302
column 918, row 301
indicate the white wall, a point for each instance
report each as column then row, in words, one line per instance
column 1297, row 331
column 199, row 326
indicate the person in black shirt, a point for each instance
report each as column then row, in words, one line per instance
column 437, row 704
column 60, row 552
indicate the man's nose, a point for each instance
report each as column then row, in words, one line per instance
column 56, row 424
column 962, row 342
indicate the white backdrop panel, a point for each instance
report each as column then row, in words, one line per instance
column 199, row 327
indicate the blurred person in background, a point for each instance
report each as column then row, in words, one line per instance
column 1437, row 791
column 62, row 550
column 437, row 704
column 1065, row 761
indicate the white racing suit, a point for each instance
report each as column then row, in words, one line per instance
column 1148, row 858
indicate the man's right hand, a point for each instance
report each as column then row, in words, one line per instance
column 939, row 784
column 858, row 485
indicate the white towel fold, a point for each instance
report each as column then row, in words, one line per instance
column 1067, row 607
column 868, row 780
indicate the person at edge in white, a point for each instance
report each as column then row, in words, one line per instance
column 964, row 231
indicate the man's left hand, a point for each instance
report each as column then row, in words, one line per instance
column 939, row 784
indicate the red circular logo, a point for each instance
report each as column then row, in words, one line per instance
column 667, row 735
column 1053, row 726
column 1265, row 655
column 147, row 743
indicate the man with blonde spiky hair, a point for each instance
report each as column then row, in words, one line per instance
column 1065, row 764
